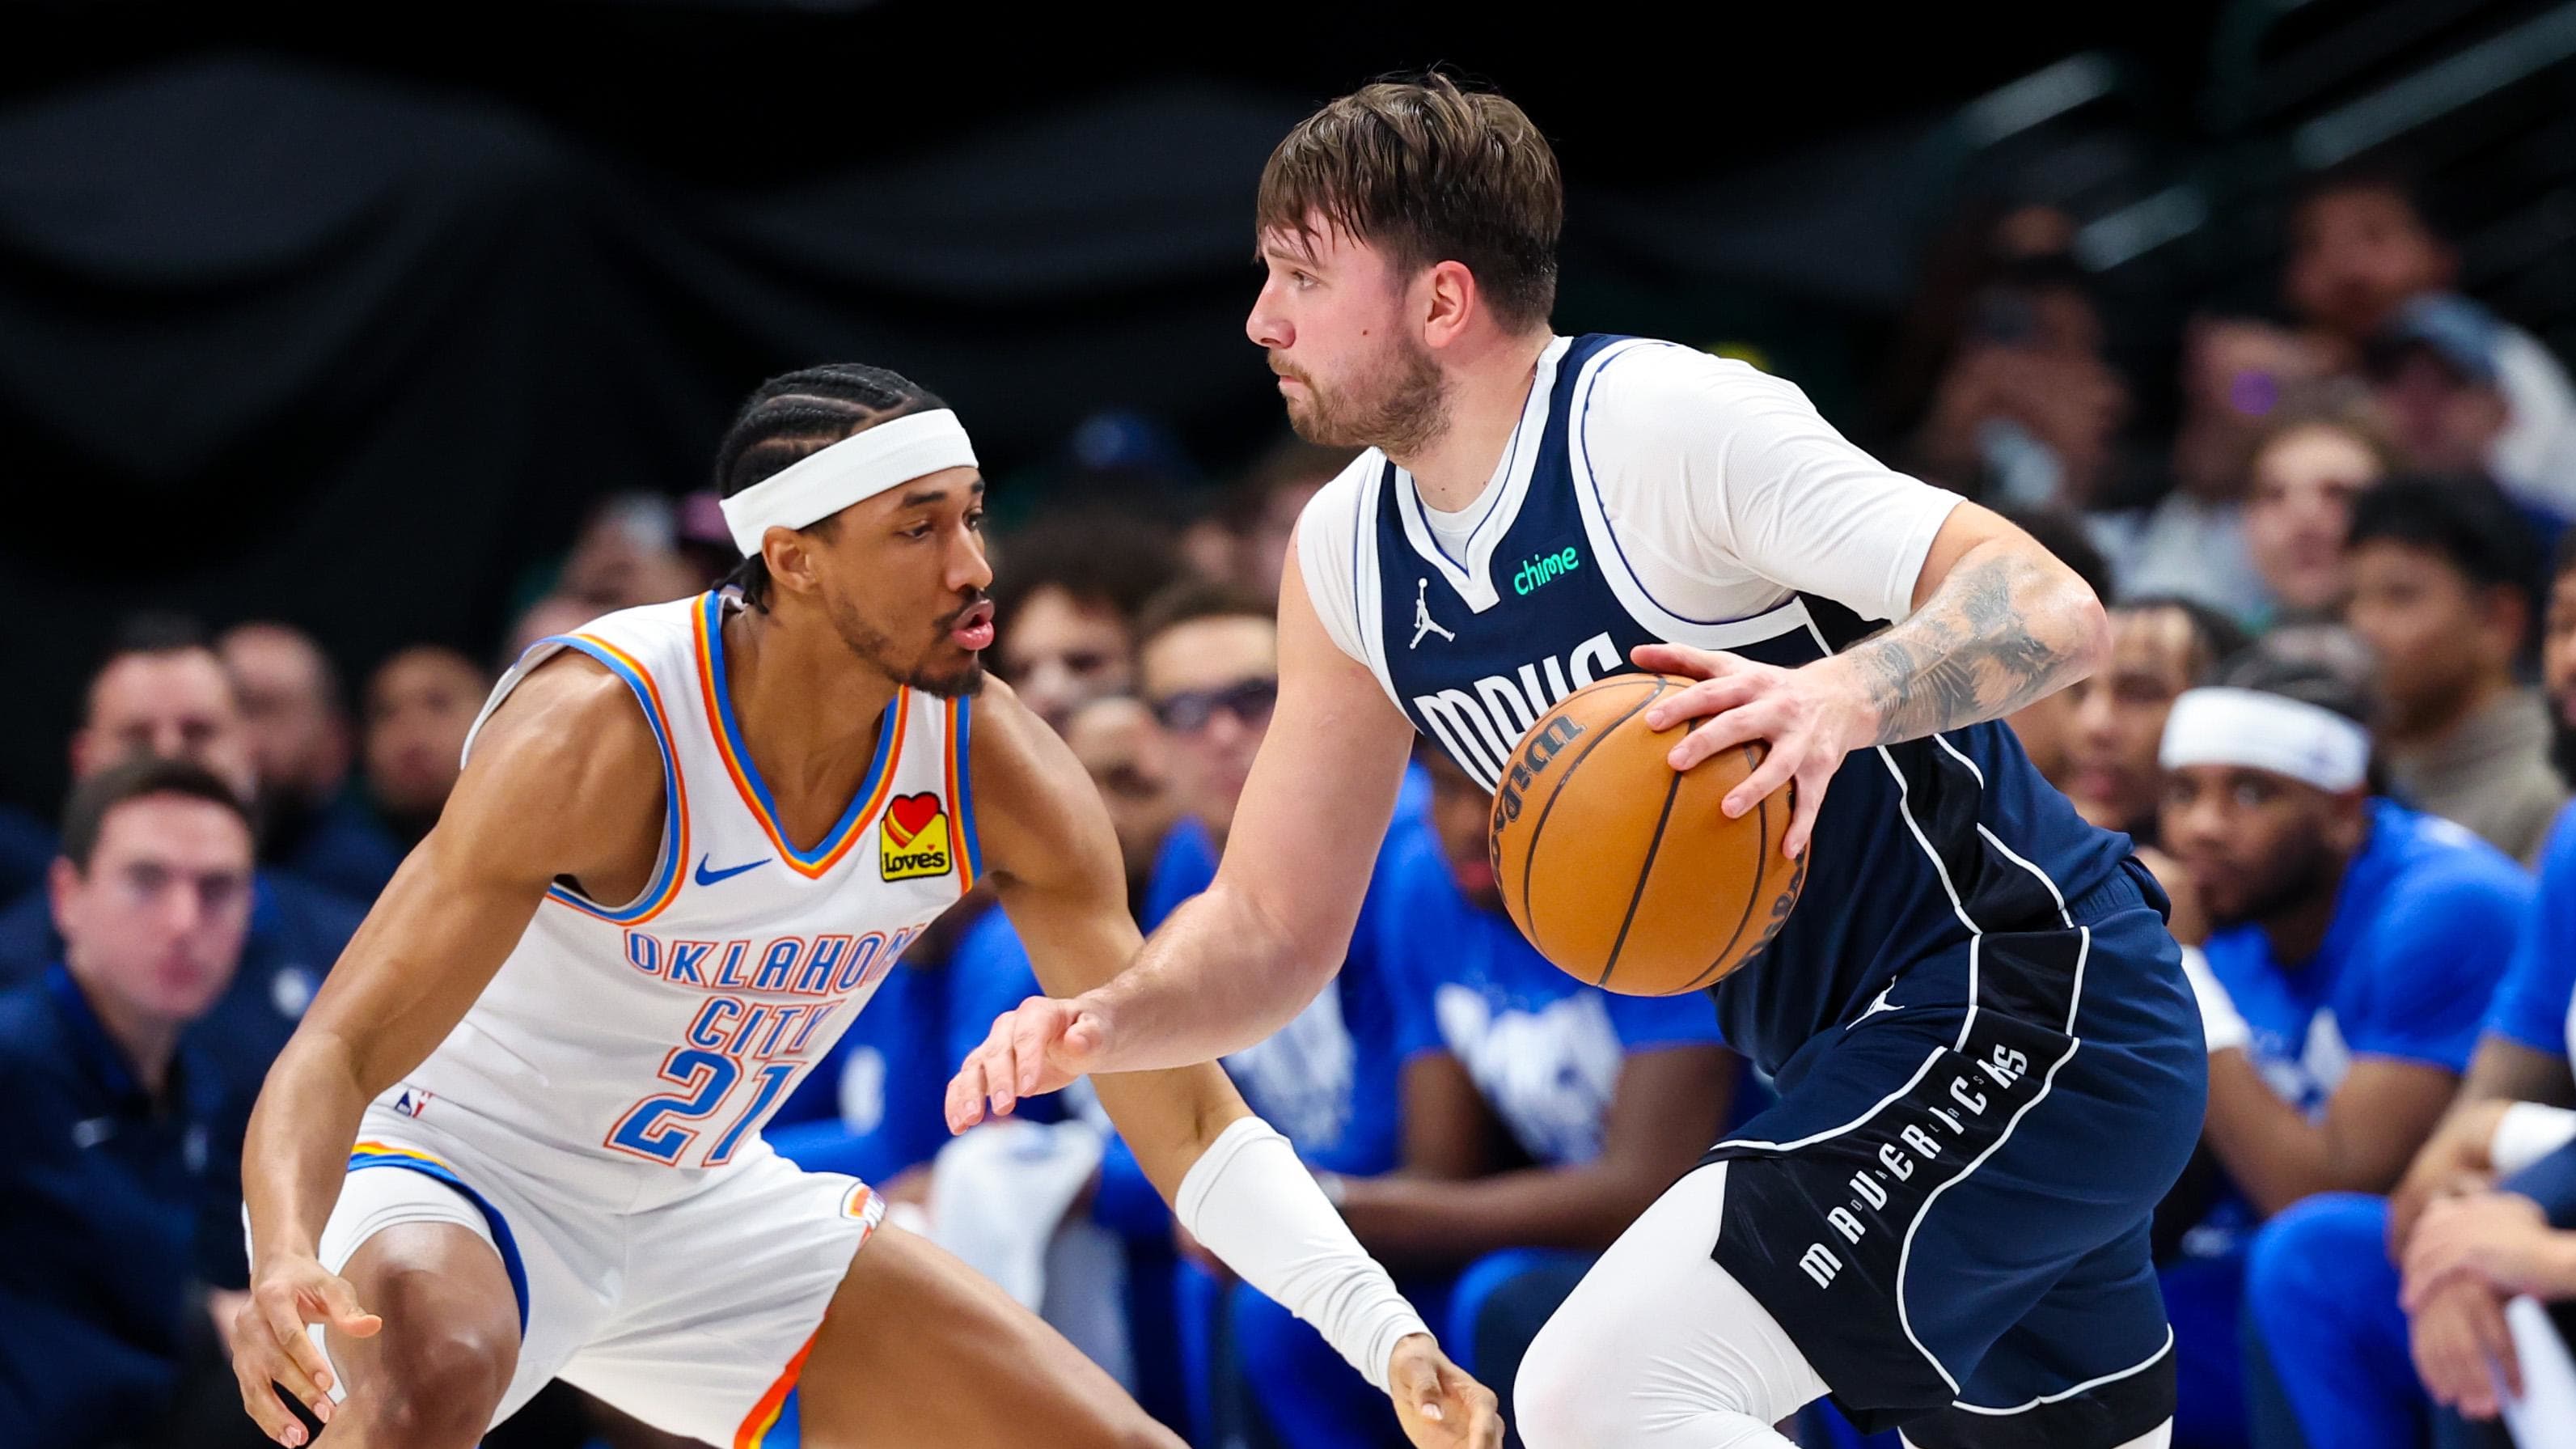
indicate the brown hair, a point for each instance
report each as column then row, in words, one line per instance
column 144, row 776
column 2332, row 408
column 1192, row 600
column 1428, row 173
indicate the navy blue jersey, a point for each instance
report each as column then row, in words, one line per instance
column 1920, row 846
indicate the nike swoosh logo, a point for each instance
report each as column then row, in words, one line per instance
column 708, row 877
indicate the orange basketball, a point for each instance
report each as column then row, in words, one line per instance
column 1623, row 871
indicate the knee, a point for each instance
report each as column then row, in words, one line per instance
column 436, row 1391
column 1558, row 1397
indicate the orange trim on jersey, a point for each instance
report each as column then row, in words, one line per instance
column 387, row 1149
column 955, row 766
column 764, row 1414
column 813, row 864
column 665, row 887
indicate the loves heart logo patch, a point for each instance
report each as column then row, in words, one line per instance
column 912, row 838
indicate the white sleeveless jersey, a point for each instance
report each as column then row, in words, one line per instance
column 626, row 1037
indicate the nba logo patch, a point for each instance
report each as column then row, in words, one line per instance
column 912, row 840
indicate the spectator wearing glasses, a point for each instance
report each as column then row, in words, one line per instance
column 1209, row 656
column 116, row 1180
column 1208, row 671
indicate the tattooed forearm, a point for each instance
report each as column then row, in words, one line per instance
column 2002, row 631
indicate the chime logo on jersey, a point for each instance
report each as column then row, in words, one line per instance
column 912, row 841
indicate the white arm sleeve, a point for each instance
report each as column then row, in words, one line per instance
column 1255, row 1206
column 1717, row 475
column 2221, row 1024
column 2528, row 1132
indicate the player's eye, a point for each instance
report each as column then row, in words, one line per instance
column 975, row 519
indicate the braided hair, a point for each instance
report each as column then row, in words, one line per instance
column 801, row 412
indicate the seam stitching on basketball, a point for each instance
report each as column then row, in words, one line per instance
column 1538, row 827
column 1645, row 872
column 1761, row 868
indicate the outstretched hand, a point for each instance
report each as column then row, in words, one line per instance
column 1440, row 1406
column 1807, row 718
column 271, row 1350
column 1037, row 1047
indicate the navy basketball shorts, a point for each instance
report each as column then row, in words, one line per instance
column 1948, row 1208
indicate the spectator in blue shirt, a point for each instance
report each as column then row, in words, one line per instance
column 115, row 1190
column 1209, row 668
column 1539, row 1117
column 2322, row 1294
column 2355, row 946
column 310, row 821
column 2323, row 1291
column 163, row 691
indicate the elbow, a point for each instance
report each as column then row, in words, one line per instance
column 2090, row 625
column 1291, row 954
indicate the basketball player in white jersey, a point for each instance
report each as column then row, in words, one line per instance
column 517, row 1137
column 1988, row 1062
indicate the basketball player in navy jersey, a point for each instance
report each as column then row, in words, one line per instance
column 1989, row 1064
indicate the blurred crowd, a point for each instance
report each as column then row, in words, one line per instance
column 2360, row 507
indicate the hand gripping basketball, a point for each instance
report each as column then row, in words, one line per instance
column 1037, row 1047
column 1806, row 717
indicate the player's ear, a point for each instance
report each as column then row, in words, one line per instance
column 790, row 557
column 1449, row 300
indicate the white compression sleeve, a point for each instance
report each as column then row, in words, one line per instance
column 2528, row 1132
column 1258, row 1209
column 2219, row 1020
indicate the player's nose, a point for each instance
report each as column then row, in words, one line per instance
column 967, row 566
column 1263, row 325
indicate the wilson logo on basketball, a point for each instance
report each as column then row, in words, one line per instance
column 912, row 840
column 1542, row 747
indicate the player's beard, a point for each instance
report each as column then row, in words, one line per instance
column 2562, row 742
column 919, row 669
column 1397, row 404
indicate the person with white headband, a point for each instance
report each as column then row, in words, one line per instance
column 2358, row 1365
column 2354, row 946
column 689, row 841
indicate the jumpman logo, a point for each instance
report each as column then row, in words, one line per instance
column 1422, row 624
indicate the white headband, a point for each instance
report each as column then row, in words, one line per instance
column 2263, row 731
column 862, row 465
